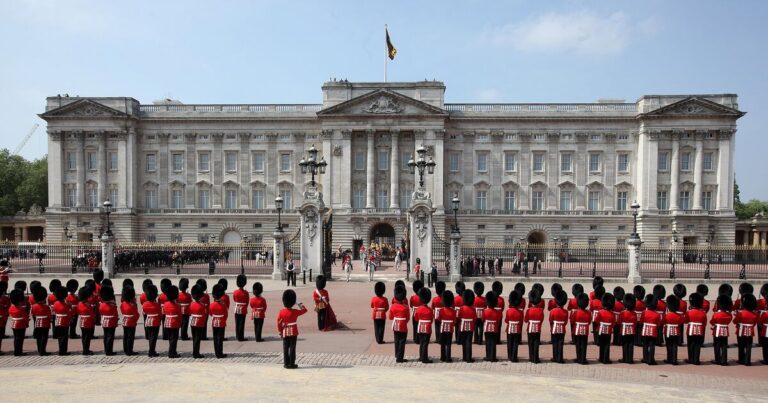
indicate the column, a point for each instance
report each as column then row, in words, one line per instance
column 244, row 170
column 131, row 157
column 648, row 170
column 755, row 237
column 103, row 169
column 217, row 159
column 609, row 173
column 580, row 171
column 162, row 168
column 724, row 175
column 525, row 171
column 277, row 254
column 327, row 153
column 345, row 169
column 190, row 155
column 55, row 168
column 108, row 255
column 394, row 170
column 674, row 193
column 698, row 169
column 455, row 256
column 272, row 160
column 438, row 187
column 80, row 169
column 370, row 201
column 25, row 234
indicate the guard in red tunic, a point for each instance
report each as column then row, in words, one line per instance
column 466, row 322
column 745, row 321
column 326, row 320
column 457, row 304
column 240, row 298
column 660, row 292
column 87, row 317
column 5, row 304
column 480, row 305
column 399, row 315
column 650, row 322
column 639, row 293
column 19, row 320
column 205, row 300
column 605, row 322
column 225, row 298
column 573, row 305
column 696, row 319
column 445, row 322
column 618, row 308
column 184, row 300
column 724, row 289
column 580, row 319
column 520, row 288
column 437, row 305
column 165, row 284
column 680, row 292
column 721, row 321
column 672, row 321
column 288, row 327
column 513, row 323
column 415, row 303
column 552, row 304
column 72, row 287
column 197, row 319
column 498, row 290
column 41, row 317
column 258, row 310
column 558, row 322
column 596, row 282
column 379, row 308
column 52, row 287
column 109, row 318
column 763, row 322
column 627, row 323
column 399, row 283
column 151, row 318
column 703, row 290
column 540, row 288
column 172, row 319
column 130, row 318
column 424, row 318
column 219, row 313
column 595, row 305
column 491, row 324
column 5, row 270
column 62, row 315
column 534, row 317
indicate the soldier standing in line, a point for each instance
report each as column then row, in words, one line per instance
column 534, row 316
column 130, row 318
column 219, row 313
column 379, row 307
column 19, row 320
column 415, row 303
column 498, row 289
column 198, row 319
column 205, row 299
column 72, row 287
column 109, row 318
column 480, row 304
column 627, row 322
column 87, row 318
column 41, row 317
column 558, row 320
column 287, row 326
column 445, row 321
column 618, row 308
column 399, row 315
column 672, row 321
column 162, row 299
column 696, row 319
column 184, row 300
column 457, row 304
column 650, row 322
column 720, row 322
column 639, row 293
column 152, row 323
column 437, row 305
column 605, row 322
column 240, row 297
column 661, row 308
column 581, row 319
column 424, row 318
column 466, row 322
column 258, row 310
column 514, row 325
column 491, row 325
column 63, row 315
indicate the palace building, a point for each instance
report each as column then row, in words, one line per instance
column 178, row 172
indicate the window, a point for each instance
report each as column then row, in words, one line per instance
column 230, row 198
column 151, row 238
column 565, row 227
column 663, row 243
column 383, row 160
column 661, row 200
column 150, row 198
column 453, row 162
column 621, row 200
column 71, row 200
column 509, row 200
column 257, row 199
column 204, row 162
column 594, row 162
column 684, row 200
column 663, row 161
column 151, row 162
column 482, row 162
column 406, row 193
column 176, row 225
column 685, row 162
column 510, row 162
column 538, row 162
column 480, row 241
column 358, row 198
column 90, row 161
column 481, row 199
column 509, row 241
column 203, row 225
column 708, row 164
column 594, row 201
column 112, row 161
column 230, row 161
column 621, row 227
column 177, row 198
column 93, row 197
column 565, row 200
column 177, row 162
column 623, row 162
column 407, row 156
column 566, row 162
column 150, row 225
column 113, row 195
column 359, row 161
column 176, row 238
column 286, row 195
column 382, row 198
column 509, row 227
column 258, row 161
column 285, row 162
column 706, row 200
column 621, row 242
column 537, row 200
column 204, row 198
column 71, row 161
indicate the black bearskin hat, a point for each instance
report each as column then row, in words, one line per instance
column 460, row 287
column 651, row 302
column 224, row 283
column 608, row 301
column 320, row 282
column 639, row 292
column 702, row 289
column 538, row 287
column 724, row 302
column 128, row 283
column 53, row 285
column 561, row 298
column 379, row 288
column 618, row 294
column 764, row 290
column 257, row 289
column 106, row 282
column 520, row 288
column 146, row 283
column 172, row 293
column 468, row 298
column 90, row 284
column 196, row 292
column 679, row 290
column 400, row 293
column 241, row 280
column 84, row 293
column 34, row 285
column 417, row 285
column 39, row 294
column 749, row 302
column 659, row 292
column 183, row 284
column 514, row 299
column 629, row 302
column 577, row 289
column 98, row 275
column 107, row 293
column 582, row 301
column 746, row 288
column 128, row 294
column 555, row 288
column 16, row 296
column 447, row 298
column 151, row 292
column 439, row 288
column 491, row 299
column 202, row 283
column 725, row 289
column 599, row 292
column 673, row 304
column 597, row 282
column 534, row 297
column 497, row 287
column 20, row 285
column 478, row 288
column 399, row 283
column 696, row 300
column 289, row 298
column 218, row 291
column 61, row 294
column 425, row 296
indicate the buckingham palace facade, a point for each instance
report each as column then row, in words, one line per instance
column 179, row 172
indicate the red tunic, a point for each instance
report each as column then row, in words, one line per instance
column 87, row 315
column 379, row 307
column 705, row 306
column 683, row 307
column 240, row 297
column 672, row 322
column 205, row 299
column 219, row 313
column 19, row 317
column 458, row 301
column 130, row 313
column 480, row 306
column 514, row 320
column 534, row 316
column 720, row 323
column 491, row 320
column 198, row 314
column 63, row 314
column 51, row 300
column 466, row 319
column 558, row 319
column 225, row 301
column 162, row 299
column 764, row 324
column 639, row 309
column 627, row 321
column 142, row 298
column 424, row 317
column 399, row 315
column 446, row 320
column 41, row 316
column 745, row 322
column 258, row 307
column 437, row 304
column 696, row 320
column 403, row 302
column 500, row 305
column 539, row 305
column 651, row 320
column 172, row 315
column 595, row 306
column 109, row 316
column 287, row 321
column 605, row 321
column 552, row 304
column 72, row 301
column 184, row 301
column 580, row 320
column 415, row 303
column 321, row 295
column 152, row 311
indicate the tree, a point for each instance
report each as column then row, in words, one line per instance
column 34, row 188
column 22, row 183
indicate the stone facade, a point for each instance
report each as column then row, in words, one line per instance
column 180, row 172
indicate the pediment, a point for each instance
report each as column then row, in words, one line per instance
column 481, row 184
column 454, row 185
column 151, row 184
column 623, row 184
column 382, row 102
column 257, row 183
column 566, row 183
column 510, row 184
column 84, row 108
column 694, row 107
column 176, row 183
column 203, row 182
column 230, row 183
column 595, row 184
column 538, row 184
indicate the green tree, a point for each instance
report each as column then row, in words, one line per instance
column 22, row 183
column 34, row 188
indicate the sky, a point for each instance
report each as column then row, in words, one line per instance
column 282, row 51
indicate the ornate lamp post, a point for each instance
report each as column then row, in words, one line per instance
column 635, row 207
column 421, row 163
column 633, row 244
column 107, row 211
column 455, row 207
column 279, row 207
column 312, row 165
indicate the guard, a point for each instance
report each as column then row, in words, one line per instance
column 130, row 318
column 446, row 320
column 379, row 307
column 558, row 321
column 258, row 310
column 109, row 318
column 491, row 325
column 514, row 325
column 287, row 326
column 240, row 297
column 399, row 314
column 534, row 316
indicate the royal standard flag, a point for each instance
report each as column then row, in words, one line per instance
column 391, row 51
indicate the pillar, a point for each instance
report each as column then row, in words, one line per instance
column 724, row 171
column 394, row 170
column 56, row 168
column 455, row 256
column 278, row 257
column 81, row 168
column 698, row 174
column 421, row 229
column 108, row 255
column 370, row 188
column 633, row 261
column 25, row 234
column 674, row 192
column 327, row 153
column 103, row 169
column 312, row 210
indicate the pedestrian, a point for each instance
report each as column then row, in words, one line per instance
column 415, row 303
column 240, row 297
column 87, row 317
column 480, row 304
column 130, row 318
column 379, row 306
column 287, row 326
column 466, row 320
column 63, row 315
column 5, row 270
column 491, row 324
column 581, row 318
column 399, row 314
column 533, row 317
column 152, row 323
column 198, row 319
column 398, row 259
column 627, row 322
column 424, row 318
column 558, row 320
column 290, row 270
column 219, row 313
column 650, row 322
column 445, row 321
column 41, row 317
column 433, row 274
column 720, row 322
column 109, row 317
column 19, row 320
column 184, row 300
column 696, row 319
column 258, row 310
column 605, row 322
column 514, row 324
column 672, row 321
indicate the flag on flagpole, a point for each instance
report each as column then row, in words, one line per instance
column 391, row 50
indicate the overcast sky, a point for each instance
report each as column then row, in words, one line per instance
column 282, row 51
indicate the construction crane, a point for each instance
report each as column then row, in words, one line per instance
column 26, row 139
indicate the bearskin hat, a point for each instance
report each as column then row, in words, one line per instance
column 106, row 282
column 146, row 283
column 679, row 290
column 497, row 287
column 468, row 298
column 639, row 292
column 629, row 301
column 749, row 302
column 618, row 294
column 34, row 284
column 597, row 282
column 520, row 288
column 61, row 294
column 555, row 288
column 514, row 298
column 84, row 293
column 746, row 288
column 128, row 294
column 90, row 284
column 257, row 289
column 400, row 293
column 418, row 260
column 673, row 304
column 561, row 298
column 20, row 285
column 460, row 287
column 379, row 288
column 98, row 275
column 128, row 283
column 39, row 294
column 534, row 297
column 183, row 284
column 478, row 288
column 599, row 292
column 241, row 280
column 151, row 292
column 702, row 289
column 164, row 284
column 196, row 292
column 107, row 293
column 417, row 285
column 399, row 283
column 659, row 292
column 16, row 296
column 218, row 291
column 725, row 289
column 439, row 287
column 724, row 302
column 202, row 283
column 289, row 297
column 696, row 300
column 651, row 302
column 447, row 298
column 491, row 300
column 172, row 293
column 577, row 289
column 320, row 282
column 608, row 301
column 582, row 301
column 425, row 296
column 224, row 283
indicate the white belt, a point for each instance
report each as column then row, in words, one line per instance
column 290, row 324
column 396, row 319
column 167, row 316
column 425, row 321
column 61, row 315
column 381, row 309
column 197, row 316
column 183, row 304
column 467, row 320
column 259, row 309
column 217, row 316
column 88, row 316
column 107, row 316
column 241, row 303
column 152, row 315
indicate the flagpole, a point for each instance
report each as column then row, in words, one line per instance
column 386, row 52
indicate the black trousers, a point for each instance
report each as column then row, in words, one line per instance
column 445, row 346
column 694, row 349
column 400, row 338
column 239, row 327
column 173, row 340
column 558, row 340
column 151, row 333
column 490, row 346
column 581, row 348
column 466, row 346
column 109, row 340
column 478, row 331
column 63, row 338
column 185, row 327
column 513, row 345
column 258, row 325
column 41, row 338
column 378, row 330
column 424, row 347
column 764, row 344
column 291, row 278
column 73, row 327
column 87, row 336
column 721, row 350
column 616, row 335
column 457, row 333
column 672, row 342
column 321, row 318
column 18, row 341
column 649, row 350
column 129, row 335
column 638, row 334
column 534, row 340
column 164, row 332
column 745, row 350
column 628, row 349
column 218, row 341
column 289, row 351
column 604, row 342
column 197, row 336
column 660, row 338
column 415, row 326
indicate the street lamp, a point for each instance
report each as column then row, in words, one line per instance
column 108, row 210
column 279, row 207
column 455, row 206
column 635, row 206
column 421, row 163
column 311, row 165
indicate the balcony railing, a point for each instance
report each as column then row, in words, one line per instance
column 228, row 108
column 604, row 108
